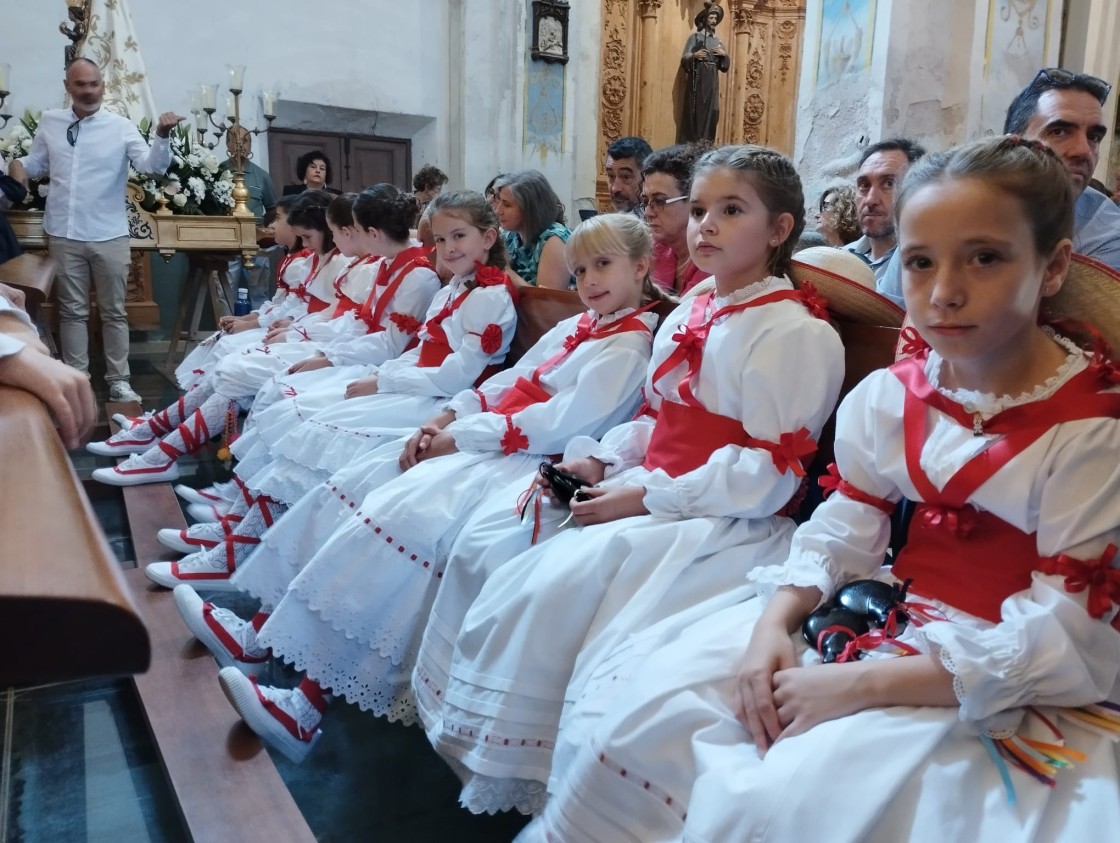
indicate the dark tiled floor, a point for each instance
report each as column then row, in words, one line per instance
column 78, row 762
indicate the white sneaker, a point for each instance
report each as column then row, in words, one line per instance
column 285, row 719
column 205, row 569
column 231, row 640
column 196, row 537
column 121, row 392
column 124, row 442
column 128, row 422
column 208, row 512
column 136, row 471
column 191, row 495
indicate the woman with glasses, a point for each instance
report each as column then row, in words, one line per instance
column 666, row 175
column 836, row 215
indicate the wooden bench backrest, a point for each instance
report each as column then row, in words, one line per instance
column 32, row 274
column 65, row 612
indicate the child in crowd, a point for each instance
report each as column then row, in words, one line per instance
column 403, row 286
column 717, row 469
column 467, row 333
column 354, row 617
column 1004, row 432
column 156, row 442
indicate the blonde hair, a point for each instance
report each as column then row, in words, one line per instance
column 614, row 234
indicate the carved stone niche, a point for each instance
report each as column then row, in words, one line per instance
column 550, row 31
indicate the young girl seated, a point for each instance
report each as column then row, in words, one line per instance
column 467, row 333
column 740, row 390
column 1003, row 433
column 187, row 425
column 354, row 617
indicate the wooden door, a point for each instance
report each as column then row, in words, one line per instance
column 357, row 161
column 375, row 160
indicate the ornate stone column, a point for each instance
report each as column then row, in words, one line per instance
column 647, row 13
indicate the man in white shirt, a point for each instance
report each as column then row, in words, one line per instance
column 86, row 150
column 25, row 364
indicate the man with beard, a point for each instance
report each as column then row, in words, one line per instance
column 880, row 174
column 623, row 168
column 85, row 150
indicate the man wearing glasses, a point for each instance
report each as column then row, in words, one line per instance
column 1065, row 111
column 86, row 151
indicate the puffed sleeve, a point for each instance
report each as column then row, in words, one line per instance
column 754, row 482
column 605, row 391
column 847, row 538
column 485, row 311
column 1048, row 648
column 401, row 321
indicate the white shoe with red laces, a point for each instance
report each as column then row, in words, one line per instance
column 138, row 470
column 135, row 440
column 221, row 494
column 196, row 537
column 284, row 719
column 231, row 640
column 208, row 512
column 206, row 569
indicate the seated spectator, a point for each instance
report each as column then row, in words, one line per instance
column 491, row 192
column 313, row 170
column 25, row 364
column 836, row 215
column 427, row 184
column 880, row 173
column 530, row 214
column 623, row 167
column 666, row 175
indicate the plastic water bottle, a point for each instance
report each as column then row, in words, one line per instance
column 242, row 306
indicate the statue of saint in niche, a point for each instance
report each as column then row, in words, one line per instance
column 703, row 60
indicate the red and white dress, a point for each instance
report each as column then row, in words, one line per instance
column 1013, row 542
column 465, row 337
column 294, row 269
column 353, row 619
column 374, row 327
column 723, row 458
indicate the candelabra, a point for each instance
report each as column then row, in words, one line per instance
column 204, row 106
column 5, row 75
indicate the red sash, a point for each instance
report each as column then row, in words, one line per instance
column 345, row 304
column 314, row 303
column 390, row 276
column 284, row 264
column 524, row 393
column 970, row 559
column 686, row 434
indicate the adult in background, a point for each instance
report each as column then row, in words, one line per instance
column 666, row 176
column 11, row 194
column 625, row 157
column 86, row 150
column 880, row 174
column 531, row 217
column 837, row 218
column 703, row 61
column 1065, row 111
column 427, row 184
column 313, row 171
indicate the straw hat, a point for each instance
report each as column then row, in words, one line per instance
column 847, row 283
column 1090, row 295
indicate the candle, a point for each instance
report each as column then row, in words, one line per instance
column 236, row 77
column 229, row 107
column 269, row 98
column 200, row 120
column 5, row 76
column 209, row 95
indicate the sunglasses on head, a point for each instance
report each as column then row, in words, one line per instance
column 1059, row 77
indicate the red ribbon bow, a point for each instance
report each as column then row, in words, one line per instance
column 911, row 343
column 405, row 324
column 1097, row 575
column 833, row 482
column 1107, row 369
column 488, row 276
column 959, row 522
column 792, row 450
column 581, row 334
column 490, row 339
column 689, row 340
column 816, row 303
column 514, row 440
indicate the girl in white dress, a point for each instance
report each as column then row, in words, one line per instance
column 740, row 390
column 353, row 618
column 379, row 326
column 1005, row 434
column 466, row 334
column 186, row 426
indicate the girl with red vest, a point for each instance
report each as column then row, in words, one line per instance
column 354, row 617
column 940, row 721
column 740, row 384
column 377, row 321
